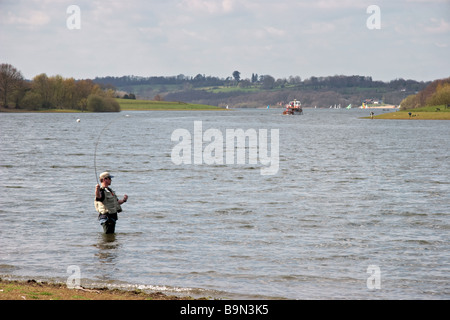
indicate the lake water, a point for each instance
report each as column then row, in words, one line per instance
column 359, row 208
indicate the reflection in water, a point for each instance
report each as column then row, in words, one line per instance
column 107, row 254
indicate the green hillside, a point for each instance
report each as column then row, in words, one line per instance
column 131, row 104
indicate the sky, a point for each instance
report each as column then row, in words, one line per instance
column 407, row 39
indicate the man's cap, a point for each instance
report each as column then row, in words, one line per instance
column 105, row 175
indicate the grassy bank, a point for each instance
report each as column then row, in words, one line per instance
column 142, row 105
column 427, row 113
column 132, row 105
column 14, row 110
column 32, row 290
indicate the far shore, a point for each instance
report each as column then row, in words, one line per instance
column 426, row 113
column 3, row 110
column 129, row 105
column 381, row 107
column 14, row 110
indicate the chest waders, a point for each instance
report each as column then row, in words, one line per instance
column 108, row 209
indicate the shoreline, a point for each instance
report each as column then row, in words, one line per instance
column 3, row 110
column 36, row 290
column 440, row 112
column 14, row 110
column 387, row 106
column 403, row 115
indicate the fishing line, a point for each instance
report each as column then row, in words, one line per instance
column 96, row 144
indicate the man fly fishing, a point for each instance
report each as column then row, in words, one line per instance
column 107, row 204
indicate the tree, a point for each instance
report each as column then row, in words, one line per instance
column 295, row 80
column 441, row 96
column 268, row 82
column 83, row 89
column 31, row 101
column 237, row 76
column 435, row 93
column 245, row 84
column 96, row 103
column 58, row 92
column 10, row 80
column 70, row 93
column 280, row 83
column 18, row 94
column 158, row 97
column 199, row 77
column 410, row 102
column 41, row 86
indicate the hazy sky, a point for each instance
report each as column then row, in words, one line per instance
column 216, row 37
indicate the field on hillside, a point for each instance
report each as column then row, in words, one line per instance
column 131, row 104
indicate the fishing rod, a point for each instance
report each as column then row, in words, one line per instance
column 96, row 145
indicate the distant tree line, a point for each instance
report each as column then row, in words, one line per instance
column 129, row 96
column 266, row 82
column 435, row 94
column 263, row 89
column 55, row 92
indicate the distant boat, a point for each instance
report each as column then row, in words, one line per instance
column 293, row 107
column 349, row 106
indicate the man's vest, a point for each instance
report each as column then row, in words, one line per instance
column 110, row 204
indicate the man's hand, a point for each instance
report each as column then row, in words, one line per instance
column 97, row 191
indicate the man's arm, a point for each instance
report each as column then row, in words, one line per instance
column 99, row 193
column 125, row 198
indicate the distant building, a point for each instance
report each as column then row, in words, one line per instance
column 372, row 101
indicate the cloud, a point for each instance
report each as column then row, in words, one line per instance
column 319, row 28
column 275, row 32
column 29, row 19
column 438, row 26
column 333, row 4
column 208, row 6
column 214, row 37
column 441, row 45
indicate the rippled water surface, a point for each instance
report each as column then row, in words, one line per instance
column 349, row 193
